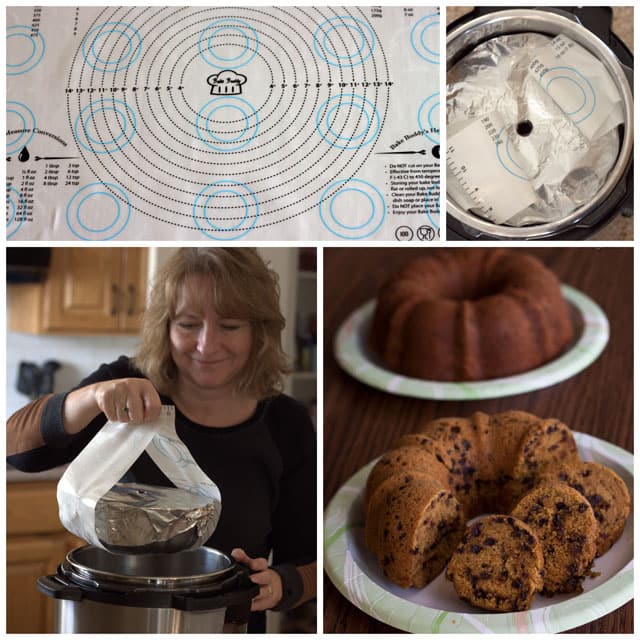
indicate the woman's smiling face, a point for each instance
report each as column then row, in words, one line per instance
column 209, row 351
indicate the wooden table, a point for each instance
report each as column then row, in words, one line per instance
column 360, row 422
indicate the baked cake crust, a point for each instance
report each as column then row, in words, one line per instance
column 470, row 314
column 420, row 495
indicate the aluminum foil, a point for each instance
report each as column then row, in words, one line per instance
column 137, row 518
column 563, row 166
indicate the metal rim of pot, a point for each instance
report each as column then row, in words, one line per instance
column 467, row 35
column 84, row 566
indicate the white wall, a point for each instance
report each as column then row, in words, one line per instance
column 78, row 355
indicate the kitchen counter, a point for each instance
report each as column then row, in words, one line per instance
column 360, row 422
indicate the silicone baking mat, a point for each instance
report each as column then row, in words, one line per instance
column 170, row 123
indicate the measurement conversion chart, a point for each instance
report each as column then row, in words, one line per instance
column 260, row 123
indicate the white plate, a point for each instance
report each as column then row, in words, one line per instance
column 354, row 356
column 436, row 608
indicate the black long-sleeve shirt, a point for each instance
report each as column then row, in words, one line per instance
column 265, row 468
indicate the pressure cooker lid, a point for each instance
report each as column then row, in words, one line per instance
column 95, row 567
column 539, row 124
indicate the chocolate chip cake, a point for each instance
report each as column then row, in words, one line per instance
column 564, row 522
column 498, row 564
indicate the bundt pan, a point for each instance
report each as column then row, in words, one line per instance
column 591, row 28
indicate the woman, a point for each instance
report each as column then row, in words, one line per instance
column 211, row 347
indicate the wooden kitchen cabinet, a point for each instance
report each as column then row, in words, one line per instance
column 36, row 544
column 87, row 290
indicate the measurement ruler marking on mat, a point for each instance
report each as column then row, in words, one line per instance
column 460, row 171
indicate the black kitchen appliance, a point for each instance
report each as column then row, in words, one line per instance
column 197, row 591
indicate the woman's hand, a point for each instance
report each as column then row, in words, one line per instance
column 269, row 581
column 124, row 400
column 128, row 400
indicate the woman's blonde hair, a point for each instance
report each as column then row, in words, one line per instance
column 241, row 287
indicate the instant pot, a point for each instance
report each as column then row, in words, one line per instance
column 197, row 591
column 591, row 28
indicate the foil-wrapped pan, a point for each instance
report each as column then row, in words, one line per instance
column 555, row 161
column 136, row 518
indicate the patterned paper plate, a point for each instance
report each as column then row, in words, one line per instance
column 354, row 356
column 436, row 608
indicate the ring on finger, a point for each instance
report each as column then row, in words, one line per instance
column 270, row 590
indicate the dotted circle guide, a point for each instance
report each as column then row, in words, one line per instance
column 301, row 84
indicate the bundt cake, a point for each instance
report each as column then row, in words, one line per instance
column 413, row 525
column 564, row 523
column 470, row 314
column 604, row 490
column 498, row 564
column 420, row 495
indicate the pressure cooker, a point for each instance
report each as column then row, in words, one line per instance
column 197, row 591
column 590, row 27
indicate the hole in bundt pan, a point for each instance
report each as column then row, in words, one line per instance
column 524, row 128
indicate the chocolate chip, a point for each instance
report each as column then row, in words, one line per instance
column 489, row 542
column 476, row 548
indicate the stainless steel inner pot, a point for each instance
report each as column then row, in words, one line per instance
column 466, row 36
column 197, row 591
column 188, row 569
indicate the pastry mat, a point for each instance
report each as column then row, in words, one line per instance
column 196, row 123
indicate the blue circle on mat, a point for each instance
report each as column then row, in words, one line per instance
column 106, row 227
column 206, row 47
column 26, row 129
column 352, row 226
column 251, row 123
column 126, row 118
column 213, row 230
column 327, row 52
column 582, row 82
column 111, row 227
column 106, row 34
column 418, row 43
column 16, row 208
column 211, row 47
column 351, row 231
column 105, row 30
column 425, row 111
column 38, row 47
column 353, row 137
column 348, row 102
column 231, row 192
column 509, row 157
